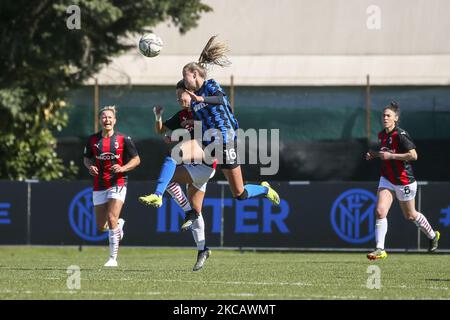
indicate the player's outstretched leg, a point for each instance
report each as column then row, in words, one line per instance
column 272, row 195
column 254, row 190
column 166, row 174
column 153, row 200
column 244, row 192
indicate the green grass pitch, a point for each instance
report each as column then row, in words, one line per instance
column 41, row 273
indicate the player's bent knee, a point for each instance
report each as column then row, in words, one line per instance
column 381, row 213
column 112, row 220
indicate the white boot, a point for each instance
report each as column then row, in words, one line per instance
column 111, row 263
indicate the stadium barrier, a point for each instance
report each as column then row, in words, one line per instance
column 316, row 215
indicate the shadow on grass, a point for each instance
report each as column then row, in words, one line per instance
column 438, row 280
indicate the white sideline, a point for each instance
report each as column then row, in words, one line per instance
column 241, row 294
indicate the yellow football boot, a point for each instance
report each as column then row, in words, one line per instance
column 151, row 200
column 272, row 195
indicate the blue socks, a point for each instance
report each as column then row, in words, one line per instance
column 166, row 174
column 254, row 190
column 168, row 170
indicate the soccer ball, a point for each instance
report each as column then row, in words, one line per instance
column 150, row 45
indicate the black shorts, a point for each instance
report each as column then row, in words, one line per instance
column 227, row 157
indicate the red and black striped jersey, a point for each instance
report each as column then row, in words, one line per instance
column 175, row 122
column 397, row 141
column 106, row 152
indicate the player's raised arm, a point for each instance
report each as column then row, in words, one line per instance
column 217, row 98
column 159, row 127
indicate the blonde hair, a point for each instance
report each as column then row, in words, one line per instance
column 107, row 108
column 214, row 53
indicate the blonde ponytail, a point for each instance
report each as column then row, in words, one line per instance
column 214, row 53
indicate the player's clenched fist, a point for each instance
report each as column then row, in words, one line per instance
column 158, row 111
column 93, row 171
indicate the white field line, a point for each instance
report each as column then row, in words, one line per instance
column 410, row 287
column 237, row 294
column 255, row 283
column 134, row 293
column 299, row 284
column 81, row 291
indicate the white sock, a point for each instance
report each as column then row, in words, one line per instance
column 121, row 224
column 422, row 223
column 174, row 189
column 381, row 226
column 114, row 238
column 198, row 231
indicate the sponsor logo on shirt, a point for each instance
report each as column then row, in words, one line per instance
column 107, row 156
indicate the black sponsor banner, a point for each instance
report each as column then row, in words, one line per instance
column 435, row 205
column 161, row 226
column 62, row 213
column 13, row 212
column 316, row 215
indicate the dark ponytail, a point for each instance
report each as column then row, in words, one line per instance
column 180, row 85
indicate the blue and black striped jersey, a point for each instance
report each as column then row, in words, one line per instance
column 217, row 117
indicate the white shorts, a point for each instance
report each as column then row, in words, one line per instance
column 200, row 174
column 403, row 193
column 117, row 192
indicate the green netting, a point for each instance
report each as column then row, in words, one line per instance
column 294, row 124
column 301, row 113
